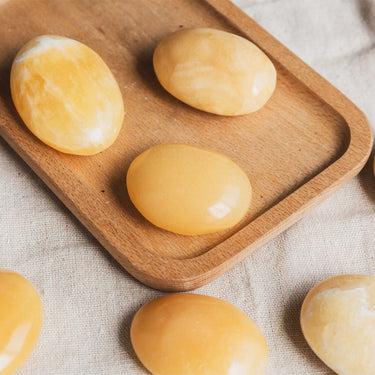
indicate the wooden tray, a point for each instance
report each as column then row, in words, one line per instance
column 303, row 145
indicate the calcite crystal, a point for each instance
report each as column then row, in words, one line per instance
column 338, row 322
column 20, row 320
column 215, row 71
column 190, row 334
column 187, row 189
column 66, row 95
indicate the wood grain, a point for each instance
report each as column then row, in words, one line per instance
column 303, row 145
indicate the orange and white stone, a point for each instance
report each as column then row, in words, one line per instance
column 66, row 95
column 215, row 71
column 338, row 322
column 185, row 334
column 187, row 189
column 20, row 320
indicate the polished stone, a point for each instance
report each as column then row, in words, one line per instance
column 20, row 320
column 189, row 334
column 187, row 189
column 215, row 71
column 66, row 95
column 338, row 321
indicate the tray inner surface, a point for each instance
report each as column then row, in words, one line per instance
column 282, row 146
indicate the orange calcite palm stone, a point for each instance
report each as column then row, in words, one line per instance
column 66, row 95
column 338, row 322
column 185, row 334
column 187, row 189
column 215, row 71
column 20, row 320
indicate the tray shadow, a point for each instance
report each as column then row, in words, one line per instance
column 5, row 67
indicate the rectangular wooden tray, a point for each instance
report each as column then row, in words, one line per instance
column 303, row 145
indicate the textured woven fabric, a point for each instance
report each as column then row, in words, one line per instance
column 89, row 300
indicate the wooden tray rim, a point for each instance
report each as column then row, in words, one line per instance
column 179, row 275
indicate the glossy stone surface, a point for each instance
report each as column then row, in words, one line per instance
column 20, row 320
column 215, row 71
column 189, row 334
column 66, row 95
column 187, row 189
column 338, row 321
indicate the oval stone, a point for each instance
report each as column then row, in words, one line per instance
column 66, row 95
column 187, row 189
column 188, row 334
column 338, row 322
column 20, row 320
column 214, row 71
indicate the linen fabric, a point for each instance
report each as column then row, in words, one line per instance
column 89, row 300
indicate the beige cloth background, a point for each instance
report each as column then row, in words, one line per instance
column 89, row 300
